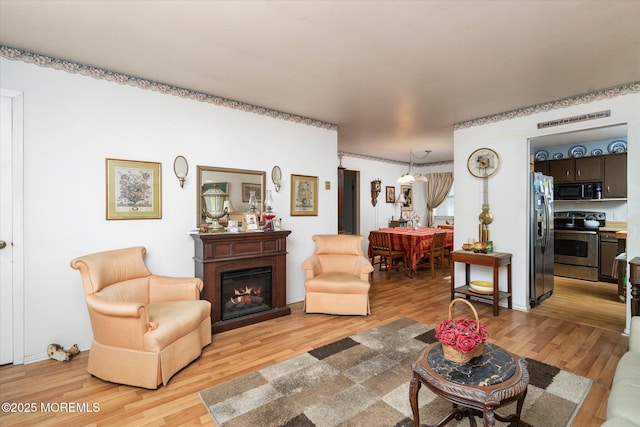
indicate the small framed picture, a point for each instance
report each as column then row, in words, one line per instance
column 247, row 188
column 133, row 189
column 304, row 195
column 250, row 222
column 407, row 191
column 391, row 194
column 224, row 186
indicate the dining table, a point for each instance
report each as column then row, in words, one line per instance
column 416, row 241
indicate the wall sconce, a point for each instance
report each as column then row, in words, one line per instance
column 181, row 169
column 276, row 178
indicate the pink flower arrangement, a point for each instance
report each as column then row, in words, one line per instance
column 462, row 334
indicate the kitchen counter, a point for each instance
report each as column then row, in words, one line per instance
column 615, row 226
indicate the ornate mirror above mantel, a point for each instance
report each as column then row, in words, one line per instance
column 237, row 183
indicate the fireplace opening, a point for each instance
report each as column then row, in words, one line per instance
column 245, row 292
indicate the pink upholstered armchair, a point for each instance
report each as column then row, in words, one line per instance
column 145, row 327
column 337, row 276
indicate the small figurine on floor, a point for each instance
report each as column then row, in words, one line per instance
column 57, row 352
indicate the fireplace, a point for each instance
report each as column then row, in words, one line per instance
column 244, row 276
column 245, row 292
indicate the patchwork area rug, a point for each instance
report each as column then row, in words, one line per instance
column 363, row 380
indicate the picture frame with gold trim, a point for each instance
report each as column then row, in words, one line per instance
column 133, row 189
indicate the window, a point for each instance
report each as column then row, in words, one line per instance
column 446, row 207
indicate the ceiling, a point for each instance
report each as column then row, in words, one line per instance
column 393, row 75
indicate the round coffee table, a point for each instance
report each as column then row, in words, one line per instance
column 476, row 388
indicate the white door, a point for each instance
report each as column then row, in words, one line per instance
column 11, row 295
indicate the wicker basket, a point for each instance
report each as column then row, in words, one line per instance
column 455, row 355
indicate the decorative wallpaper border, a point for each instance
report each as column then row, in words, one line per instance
column 395, row 162
column 99, row 73
column 554, row 105
column 102, row 74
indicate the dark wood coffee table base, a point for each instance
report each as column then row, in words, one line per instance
column 469, row 400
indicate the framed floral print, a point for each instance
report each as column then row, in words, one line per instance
column 304, row 195
column 407, row 191
column 133, row 189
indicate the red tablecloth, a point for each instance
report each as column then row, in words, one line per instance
column 416, row 242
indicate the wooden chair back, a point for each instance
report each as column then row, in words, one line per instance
column 437, row 251
column 380, row 246
column 380, row 242
column 439, row 240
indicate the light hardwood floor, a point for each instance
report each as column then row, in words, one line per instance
column 567, row 330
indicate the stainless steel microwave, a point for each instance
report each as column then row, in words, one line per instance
column 577, row 191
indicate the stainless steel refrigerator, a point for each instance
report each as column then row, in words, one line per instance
column 541, row 238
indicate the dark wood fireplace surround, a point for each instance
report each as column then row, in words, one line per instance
column 224, row 252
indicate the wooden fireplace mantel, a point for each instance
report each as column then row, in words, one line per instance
column 217, row 253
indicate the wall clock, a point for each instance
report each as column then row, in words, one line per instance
column 376, row 185
column 483, row 163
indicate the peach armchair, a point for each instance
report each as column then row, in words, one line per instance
column 145, row 327
column 337, row 276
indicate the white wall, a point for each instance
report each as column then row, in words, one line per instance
column 508, row 189
column 73, row 122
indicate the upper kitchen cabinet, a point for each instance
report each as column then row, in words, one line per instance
column 610, row 169
column 615, row 176
column 542, row 167
column 582, row 169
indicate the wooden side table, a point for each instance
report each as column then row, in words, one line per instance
column 495, row 260
column 476, row 388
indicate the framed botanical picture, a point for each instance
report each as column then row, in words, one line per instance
column 391, row 194
column 133, row 189
column 247, row 188
column 304, row 195
column 407, row 191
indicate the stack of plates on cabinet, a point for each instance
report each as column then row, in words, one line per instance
column 481, row 287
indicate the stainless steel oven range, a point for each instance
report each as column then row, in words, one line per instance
column 576, row 244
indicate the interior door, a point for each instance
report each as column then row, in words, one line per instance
column 6, row 257
column 11, row 226
column 348, row 215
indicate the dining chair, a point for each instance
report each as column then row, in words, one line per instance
column 437, row 250
column 447, row 248
column 380, row 246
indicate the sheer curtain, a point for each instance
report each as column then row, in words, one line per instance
column 436, row 191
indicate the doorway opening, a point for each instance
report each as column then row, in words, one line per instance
column 551, row 155
column 348, row 201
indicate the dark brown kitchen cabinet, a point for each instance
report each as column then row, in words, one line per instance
column 588, row 169
column 583, row 169
column 608, row 254
column 562, row 170
column 615, row 176
column 542, row 167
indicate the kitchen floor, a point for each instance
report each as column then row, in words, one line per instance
column 585, row 302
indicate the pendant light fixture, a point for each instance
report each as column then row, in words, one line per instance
column 408, row 178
